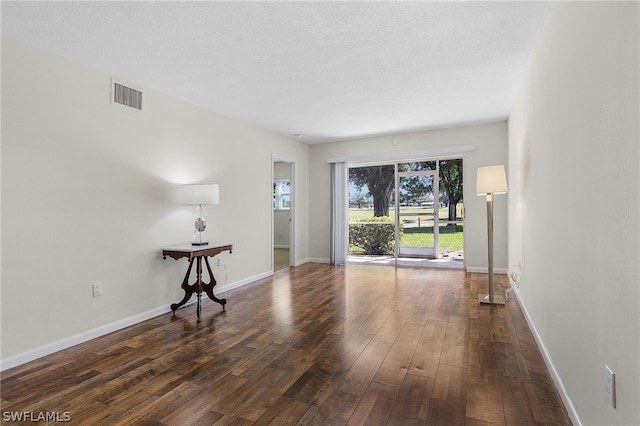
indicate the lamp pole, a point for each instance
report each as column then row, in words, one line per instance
column 490, row 298
column 491, row 180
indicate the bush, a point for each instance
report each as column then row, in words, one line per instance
column 373, row 238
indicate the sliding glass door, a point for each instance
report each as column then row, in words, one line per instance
column 402, row 210
column 417, row 220
column 451, row 216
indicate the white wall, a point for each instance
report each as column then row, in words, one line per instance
column 89, row 195
column 574, row 189
column 490, row 141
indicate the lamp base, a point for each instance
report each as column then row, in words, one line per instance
column 205, row 243
column 484, row 300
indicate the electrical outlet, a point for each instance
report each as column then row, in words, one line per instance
column 219, row 261
column 97, row 289
column 610, row 383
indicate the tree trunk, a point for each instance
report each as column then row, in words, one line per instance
column 381, row 204
column 452, row 213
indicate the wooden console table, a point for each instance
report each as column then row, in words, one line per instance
column 198, row 253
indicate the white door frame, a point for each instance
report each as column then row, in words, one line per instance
column 436, row 202
column 292, row 209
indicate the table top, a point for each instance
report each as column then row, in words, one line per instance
column 190, row 251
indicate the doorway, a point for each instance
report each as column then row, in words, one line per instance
column 417, row 218
column 283, row 207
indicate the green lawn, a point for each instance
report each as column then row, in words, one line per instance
column 448, row 238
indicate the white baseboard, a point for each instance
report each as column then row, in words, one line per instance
column 316, row 260
column 65, row 343
column 571, row 410
column 33, row 354
column 224, row 288
column 302, row 262
column 485, row 270
column 311, row 260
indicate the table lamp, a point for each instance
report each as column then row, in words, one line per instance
column 199, row 196
column 491, row 180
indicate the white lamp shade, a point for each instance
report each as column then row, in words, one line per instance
column 196, row 195
column 491, row 180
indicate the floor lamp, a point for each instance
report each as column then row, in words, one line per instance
column 491, row 180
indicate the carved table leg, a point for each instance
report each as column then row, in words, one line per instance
column 188, row 289
column 198, row 283
column 208, row 287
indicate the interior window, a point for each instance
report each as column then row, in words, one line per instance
column 282, row 194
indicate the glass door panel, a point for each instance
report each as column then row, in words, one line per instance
column 451, row 209
column 371, row 217
column 417, row 215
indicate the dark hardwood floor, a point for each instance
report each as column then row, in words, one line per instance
column 319, row 345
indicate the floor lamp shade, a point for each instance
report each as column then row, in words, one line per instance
column 200, row 196
column 491, row 180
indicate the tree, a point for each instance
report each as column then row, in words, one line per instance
column 358, row 200
column 451, row 185
column 379, row 180
column 415, row 188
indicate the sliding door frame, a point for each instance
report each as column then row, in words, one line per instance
column 436, row 205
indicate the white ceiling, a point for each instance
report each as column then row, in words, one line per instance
column 326, row 70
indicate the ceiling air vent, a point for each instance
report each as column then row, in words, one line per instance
column 121, row 94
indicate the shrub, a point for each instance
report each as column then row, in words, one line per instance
column 375, row 236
